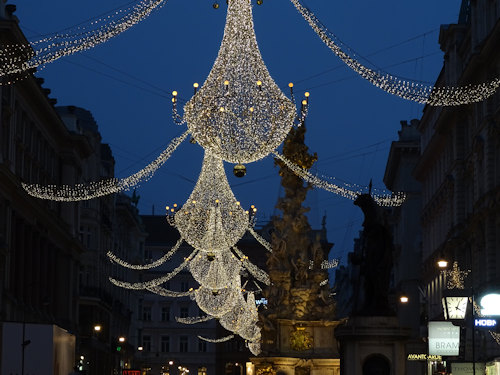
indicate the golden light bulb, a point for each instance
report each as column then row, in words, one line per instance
column 259, row 83
column 226, row 82
column 290, row 85
column 174, row 93
column 304, row 102
column 195, row 85
column 221, row 109
column 173, row 100
column 251, row 109
column 307, row 94
column 175, row 204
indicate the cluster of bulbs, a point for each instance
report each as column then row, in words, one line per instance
column 410, row 90
column 16, row 59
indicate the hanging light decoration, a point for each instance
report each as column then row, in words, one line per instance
column 80, row 192
column 215, row 270
column 239, row 113
column 212, row 219
column 147, row 266
column 217, row 302
column 16, row 59
column 349, row 191
column 410, row 90
column 149, row 284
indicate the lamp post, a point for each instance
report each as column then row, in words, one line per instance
column 455, row 301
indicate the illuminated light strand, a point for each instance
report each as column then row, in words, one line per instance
column 212, row 219
column 260, row 239
column 329, row 264
column 147, row 266
column 79, row 192
column 255, row 271
column 387, row 200
column 239, row 113
column 155, row 282
column 18, row 58
column 194, row 320
column 168, row 293
column 324, row 282
column 216, row 341
column 410, row 90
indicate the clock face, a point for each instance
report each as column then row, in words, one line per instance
column 456, row 307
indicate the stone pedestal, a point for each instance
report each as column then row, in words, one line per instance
column 372, row 345
column 300, row 348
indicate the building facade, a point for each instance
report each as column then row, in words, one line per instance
column 459, row 169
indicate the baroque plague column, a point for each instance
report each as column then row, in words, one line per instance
column 297, row 326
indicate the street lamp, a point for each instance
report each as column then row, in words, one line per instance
column 403, row 299
column 121, row 339
column 97, row 328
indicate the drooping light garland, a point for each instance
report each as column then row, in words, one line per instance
column 255, row 271
column 260, row 239
column 410, row 90
column 79, row 192
column 18, row 58
column 194, row 320
column 149, row 284
column 347, row 191
column 211, row 219
column 147, row 266
column 239, row 113
column 169, row 293
column 216, row 341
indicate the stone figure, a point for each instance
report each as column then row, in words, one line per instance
column 376, row 259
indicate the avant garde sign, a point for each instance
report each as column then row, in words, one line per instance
column 444, row 338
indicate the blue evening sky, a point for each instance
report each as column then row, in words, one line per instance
column 126, row 84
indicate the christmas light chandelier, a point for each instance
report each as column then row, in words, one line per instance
column 410, row 90
column 16, row 59
column 212, row 219
column 239, row 114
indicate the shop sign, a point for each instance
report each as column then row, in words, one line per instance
column 424, row 357
column 444, row 339
column 466, row 368
column 485, row 323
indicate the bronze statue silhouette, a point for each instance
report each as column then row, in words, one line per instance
column 376, row 259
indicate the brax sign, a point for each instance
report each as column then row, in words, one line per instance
column 485, row 323
column 444, row 338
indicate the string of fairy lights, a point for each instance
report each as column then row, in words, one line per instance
column 156, row 263
column 410, row 90
column 79, row 192
column 19, row 58
column 348, row 191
